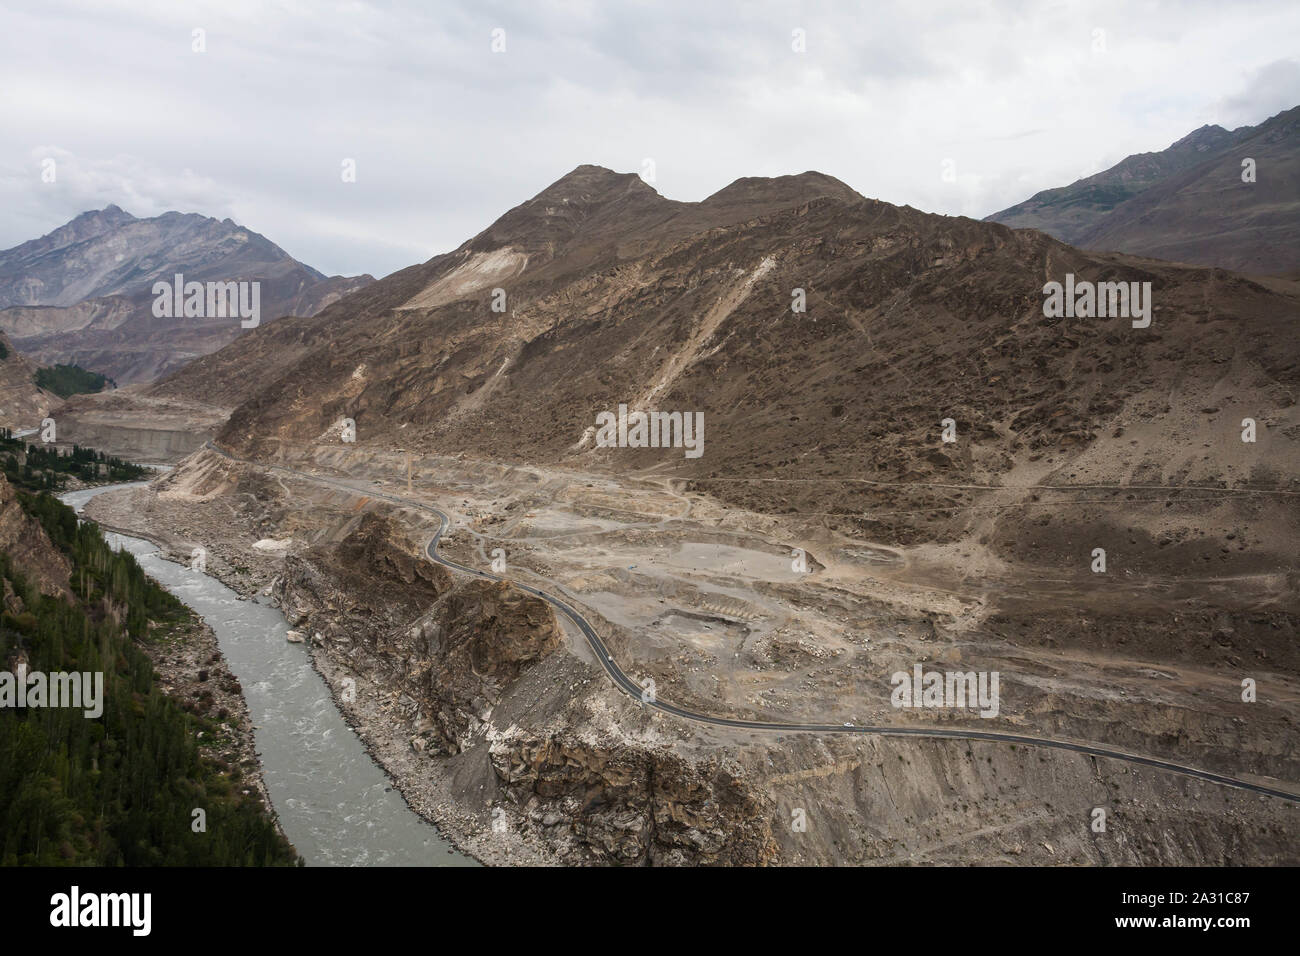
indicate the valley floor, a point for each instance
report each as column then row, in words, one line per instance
column 738, row 614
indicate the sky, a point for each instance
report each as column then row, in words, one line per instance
column 452, row 113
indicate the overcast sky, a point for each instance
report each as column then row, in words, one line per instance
column 448, row 134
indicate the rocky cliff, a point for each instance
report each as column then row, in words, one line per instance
column 634, row 805
column 452, row 651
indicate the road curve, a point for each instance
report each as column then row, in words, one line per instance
column 633, row 689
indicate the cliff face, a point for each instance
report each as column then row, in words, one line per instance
column 478, row 643
column 458, row 646
column 636, row 805
column 452, row 652
column 371, row 576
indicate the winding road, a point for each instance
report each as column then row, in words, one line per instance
column 628, row 686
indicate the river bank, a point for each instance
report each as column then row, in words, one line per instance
column 532, row 765
column 548, row 752
column 333, row 801
column 446, row 797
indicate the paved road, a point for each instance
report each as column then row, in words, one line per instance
column 633, row 689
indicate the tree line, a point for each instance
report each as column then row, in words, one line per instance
column 47, row 468
column 120, row 789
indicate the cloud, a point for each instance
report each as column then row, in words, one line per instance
column 447, row 134
column 1268, row 90
column 52, row 185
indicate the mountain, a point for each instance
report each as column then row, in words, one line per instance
column 83, row 294
column 1075, row 440
column 617, row 295
column 1187, row 203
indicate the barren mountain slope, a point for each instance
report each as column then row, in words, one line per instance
column 617, row 296
column 1070, row 212
column 1208, row 215
column 22, row 403
column 823, row 433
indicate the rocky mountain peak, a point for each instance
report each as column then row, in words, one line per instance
column 788, row 190
column 591, row 202
column 599, row 208
column 111, row 213
column 1205, row 138
column 588, row 184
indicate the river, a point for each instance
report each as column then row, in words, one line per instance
column 335, row 804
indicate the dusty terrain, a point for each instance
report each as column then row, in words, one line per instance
column 703, row 600
column 133, row 424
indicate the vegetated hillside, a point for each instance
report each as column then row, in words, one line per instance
column 616, row 295
column 118, row 788
column 68, row 380
column 47, row 467
column 83, row 293
column 1187, row 203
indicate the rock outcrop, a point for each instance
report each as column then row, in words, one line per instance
column 451, row 651
column 634, row 804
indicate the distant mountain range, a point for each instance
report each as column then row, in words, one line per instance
column 83, row 293
column 1187, row 203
